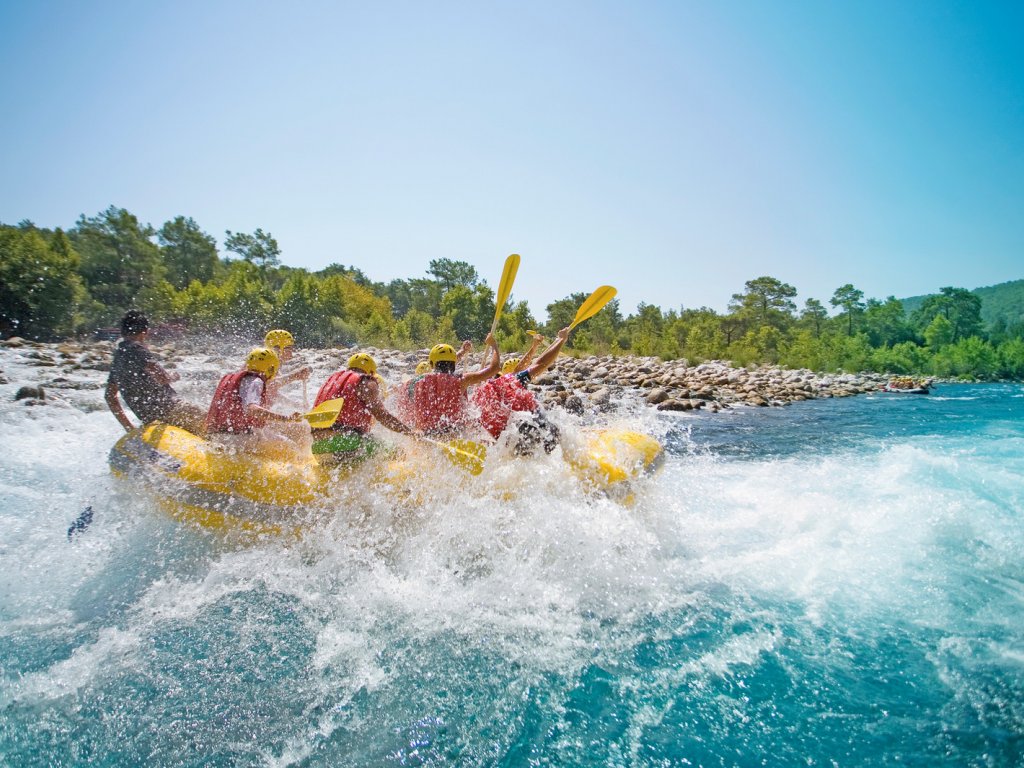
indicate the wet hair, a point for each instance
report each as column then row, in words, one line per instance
column 134, row 322
column 444, row 366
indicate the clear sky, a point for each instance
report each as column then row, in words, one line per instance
column 672, row 149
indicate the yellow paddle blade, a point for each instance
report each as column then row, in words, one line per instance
column 508, row 276
column 325, row 414
column 532, row 333
column 464, row 454
column 594, row 304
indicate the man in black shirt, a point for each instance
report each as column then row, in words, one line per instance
column 144, row 384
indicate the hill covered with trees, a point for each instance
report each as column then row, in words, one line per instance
column 56, row 283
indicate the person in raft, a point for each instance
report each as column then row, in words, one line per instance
column 440, row 402
column 283, row 343
column 348, row 438
column 506, row 394
column 240, row 405
column 137, row 377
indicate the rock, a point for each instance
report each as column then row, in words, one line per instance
column 574, row 404
column 30, row 392
column 676, row 405
column 14, row 341
column 656, row 396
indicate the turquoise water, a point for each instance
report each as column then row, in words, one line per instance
column 836, row 583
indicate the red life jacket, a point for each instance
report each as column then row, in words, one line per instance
column 440, row 402
column 498, row 398
column 354, row 413
column 227, row 414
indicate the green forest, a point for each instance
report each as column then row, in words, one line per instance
column 57, row 283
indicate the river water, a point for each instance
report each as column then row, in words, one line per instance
column 834, row 583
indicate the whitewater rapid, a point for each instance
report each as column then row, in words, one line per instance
column 812, row 583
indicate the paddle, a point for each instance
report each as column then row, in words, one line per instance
column 594, row 304
column 508, row 276
column 325, row 414
column 464, row 454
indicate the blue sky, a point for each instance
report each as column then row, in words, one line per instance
column 671, row 149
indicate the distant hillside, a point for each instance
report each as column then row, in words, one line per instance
column 1005, row 300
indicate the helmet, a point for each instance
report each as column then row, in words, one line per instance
column 442, row 353
column 363, row 362
column 279, row 338
column 422, row 367
column 509, row 365
column 263, row 360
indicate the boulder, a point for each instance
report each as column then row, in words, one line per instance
column 30, row 392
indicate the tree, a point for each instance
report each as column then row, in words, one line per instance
column 768, row 301
column 939, row 333
column 959, row 306
column 451, row 274
column 852, row 302
column 814, row 316
column 40, row 289
column 119, row 259
column 885, row 322
column 259, row 248
column 189, row 253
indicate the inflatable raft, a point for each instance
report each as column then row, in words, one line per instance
column 200, row 481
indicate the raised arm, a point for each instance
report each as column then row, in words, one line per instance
column 550, row 355
column 524, row 363
column 489, row 369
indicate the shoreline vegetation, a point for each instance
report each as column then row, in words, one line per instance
column 77, row 283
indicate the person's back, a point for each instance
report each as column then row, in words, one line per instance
column 440, row 403
column 359, row 386
column 130, row 370
column 499, row 397
column 439, row 398
column 145, row 386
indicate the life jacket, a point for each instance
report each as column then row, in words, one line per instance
column 354, row 414
column 227, row 414
column 440, row 402
column 497, row 398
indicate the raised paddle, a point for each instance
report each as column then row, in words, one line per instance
column 325, row 414
column 508, row 276
column 594, row 304
column 465, row 454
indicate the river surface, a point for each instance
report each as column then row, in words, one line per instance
column 834, row 583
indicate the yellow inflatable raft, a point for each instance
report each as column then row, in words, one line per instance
column 200, row 481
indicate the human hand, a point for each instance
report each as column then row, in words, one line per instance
column 467, row 346
column 304, row 372
column 563, row 334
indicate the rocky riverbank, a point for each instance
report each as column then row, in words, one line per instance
column 76, row 371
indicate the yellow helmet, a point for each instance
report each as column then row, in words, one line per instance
column 363, row 362
column 442, row 353
column 263, row 360
column 422, row 367
column 509, row 365
column 279, row 338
